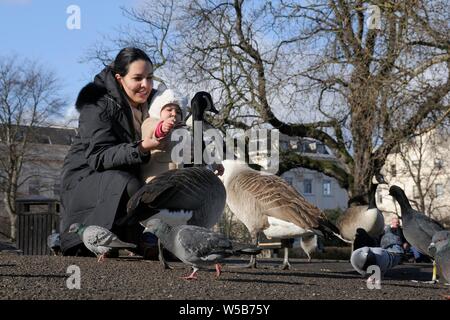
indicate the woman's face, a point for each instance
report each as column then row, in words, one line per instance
column 138, row 82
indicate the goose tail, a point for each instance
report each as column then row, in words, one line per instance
column 245, row 249
column 329, row 230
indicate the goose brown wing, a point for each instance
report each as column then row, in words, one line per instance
column 276, row 198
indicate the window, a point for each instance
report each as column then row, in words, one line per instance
column 439, row 189
column 438, row 163
column 307, row 186
column 326, row 188
column 34, row 187
column 393, row 170
column 415, row 163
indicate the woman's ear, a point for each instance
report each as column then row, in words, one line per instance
column 118, row 78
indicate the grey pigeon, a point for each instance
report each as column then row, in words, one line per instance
column 385, row 259
column 99, row 240
column 54, row 242
column 440, row 249
column 418, row 229
column 196, row 246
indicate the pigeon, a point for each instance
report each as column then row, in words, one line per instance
column 99, row 240
column 439, row 248
column 364, row 257
column 54, row 242
column 418, row 229
column 196, row 246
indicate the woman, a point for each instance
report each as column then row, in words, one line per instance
column 101, row 170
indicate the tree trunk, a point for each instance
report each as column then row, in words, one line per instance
column 13, row 220
column 12, row 216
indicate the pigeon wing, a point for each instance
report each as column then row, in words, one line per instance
column 443, row 262
column 101, row 237
column 201, row 242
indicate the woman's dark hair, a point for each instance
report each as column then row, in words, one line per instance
column 125, row 57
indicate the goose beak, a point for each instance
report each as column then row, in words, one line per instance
column 213, row 109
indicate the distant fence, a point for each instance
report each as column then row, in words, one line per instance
column 33, row 230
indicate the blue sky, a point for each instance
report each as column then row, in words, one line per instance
column 36, row 29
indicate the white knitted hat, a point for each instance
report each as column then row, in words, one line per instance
column 164, row 97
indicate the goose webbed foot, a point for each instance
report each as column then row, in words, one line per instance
column 286, row 266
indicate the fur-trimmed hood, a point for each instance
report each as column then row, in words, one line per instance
column 104, row 83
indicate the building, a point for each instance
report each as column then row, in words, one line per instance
column 40, row 175
column 421, row 167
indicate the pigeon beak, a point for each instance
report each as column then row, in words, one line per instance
column 147, row 230
column 432, row 248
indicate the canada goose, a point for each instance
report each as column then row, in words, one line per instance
column 200, row 103
column 418, row 229
column 194, row 196
column 366, row 217
column 196, row 246
column 363, row 239
column 267, row 203
column 99, row 240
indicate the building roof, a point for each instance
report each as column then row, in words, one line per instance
column 48, row 135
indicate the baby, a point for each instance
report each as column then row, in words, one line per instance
column 166, row 112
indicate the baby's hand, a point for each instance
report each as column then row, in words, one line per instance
column 168, row 125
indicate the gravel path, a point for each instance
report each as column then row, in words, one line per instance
column 45, row 277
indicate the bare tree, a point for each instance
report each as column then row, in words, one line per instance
column 28, row 98
column 424, row 160
column 360, row 76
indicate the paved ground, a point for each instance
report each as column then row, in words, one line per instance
column 44, row 277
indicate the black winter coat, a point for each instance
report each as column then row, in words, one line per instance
column 103, row 158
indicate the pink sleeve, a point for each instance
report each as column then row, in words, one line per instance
column 158, row 131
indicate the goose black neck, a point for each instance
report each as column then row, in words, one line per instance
column 372, row 194
column 403, row 202
column 198, row 115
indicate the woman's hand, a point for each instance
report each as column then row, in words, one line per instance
column 148, row 143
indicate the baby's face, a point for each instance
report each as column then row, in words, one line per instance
column 171, row 111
